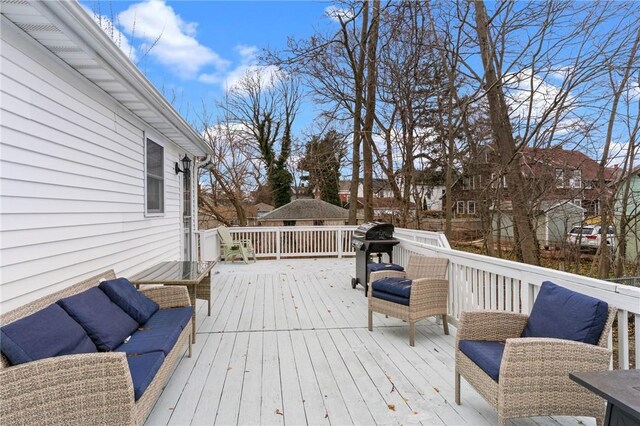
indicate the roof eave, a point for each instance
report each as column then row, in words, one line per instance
column 78, row 25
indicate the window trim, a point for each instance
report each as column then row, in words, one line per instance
column 458, row 209
column 469, row 204
column 148, row 213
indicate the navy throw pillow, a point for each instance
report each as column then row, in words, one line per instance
column 47, row 333
column 565, row 314
column 105, row 323
column 124, row 294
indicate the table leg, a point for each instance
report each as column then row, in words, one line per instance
column 204, row 291
column 192, row 296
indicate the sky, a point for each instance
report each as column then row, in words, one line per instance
column 192, row 50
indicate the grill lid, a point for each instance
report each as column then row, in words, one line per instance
column 374, row 231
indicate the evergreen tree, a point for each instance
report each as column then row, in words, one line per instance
column 322, row 163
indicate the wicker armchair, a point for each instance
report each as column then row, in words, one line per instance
column 534, row 372
column 235, row 248
column 429, row 290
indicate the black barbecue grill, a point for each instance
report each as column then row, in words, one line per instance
column 373, row 238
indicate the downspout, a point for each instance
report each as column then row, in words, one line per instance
column 199, row 163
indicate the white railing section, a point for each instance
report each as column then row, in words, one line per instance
column 475, row 281
column 286, row 241
column 483, row 282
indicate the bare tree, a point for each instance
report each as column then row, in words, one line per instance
column 265, row 107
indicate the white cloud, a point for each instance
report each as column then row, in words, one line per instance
column 111, row 30
column 169, row 39
column 618, row 152
column 247, row 65
column 335, row 13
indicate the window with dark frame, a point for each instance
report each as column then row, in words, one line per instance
column 155, row 177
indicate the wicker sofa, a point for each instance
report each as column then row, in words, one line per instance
column 89, row 388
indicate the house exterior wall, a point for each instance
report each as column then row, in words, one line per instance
column 72, row 179
column 633, row 215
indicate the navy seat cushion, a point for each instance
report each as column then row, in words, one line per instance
column 143, row 368
column 47, row 333
column 565, row 314
column 124, row 294
column 106, row 324
column 390, row 297
column 374, row 267
column 170, row 317
column 147, row 340
column 394, row 285
column 486, row 355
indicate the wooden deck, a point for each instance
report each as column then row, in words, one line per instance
column 287, row 343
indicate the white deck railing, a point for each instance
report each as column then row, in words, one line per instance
column 475, row 281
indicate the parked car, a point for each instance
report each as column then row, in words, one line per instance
column 588, row 237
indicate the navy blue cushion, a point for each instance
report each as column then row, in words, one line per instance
column 148, row 340
column 374, row 267
column 46, row 333
column 170, row 317
column 105, row 323
column 395, row 285
column 143, row 368
column 486, row 355
column 390, row 297
column 124, row 294
column 564, row 314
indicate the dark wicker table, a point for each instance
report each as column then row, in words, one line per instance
column 196, row 276
column 621, row 389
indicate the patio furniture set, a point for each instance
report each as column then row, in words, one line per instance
column 101, row 351
column 520, row 364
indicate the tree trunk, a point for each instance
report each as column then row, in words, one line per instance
column 527, row 247
column 370, row 106
column 606, row 210
column 358, row 77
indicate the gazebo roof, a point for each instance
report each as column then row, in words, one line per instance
column 307, row 209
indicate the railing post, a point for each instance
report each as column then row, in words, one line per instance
column 278, row 243
column 339, row 242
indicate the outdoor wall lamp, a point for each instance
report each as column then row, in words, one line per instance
column 186, row 162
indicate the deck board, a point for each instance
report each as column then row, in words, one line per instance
column 287, row 343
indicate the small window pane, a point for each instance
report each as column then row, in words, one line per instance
column 155, row 177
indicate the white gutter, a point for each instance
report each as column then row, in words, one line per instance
column 74, row 21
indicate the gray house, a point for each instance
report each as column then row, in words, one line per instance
column 553, row 221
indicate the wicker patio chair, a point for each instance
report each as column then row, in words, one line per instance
column 235, row 248
column 533, row 376
column 428, row 294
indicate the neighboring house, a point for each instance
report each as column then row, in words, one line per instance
column 89, row 149
column 306, row 212
column 632, row 237
column 257, row 212
column 429, row 195
column 552, row 175
column 552, row 222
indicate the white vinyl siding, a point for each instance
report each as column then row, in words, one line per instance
column 72, row 179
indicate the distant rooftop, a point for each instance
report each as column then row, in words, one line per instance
column 307, row 209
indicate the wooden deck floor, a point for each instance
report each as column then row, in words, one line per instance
column 287, row 343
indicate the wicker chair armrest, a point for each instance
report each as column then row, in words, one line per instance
column 86, row 388
column 426, row 286
column 525, row 358
column 174, row 296
column 490, row 325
